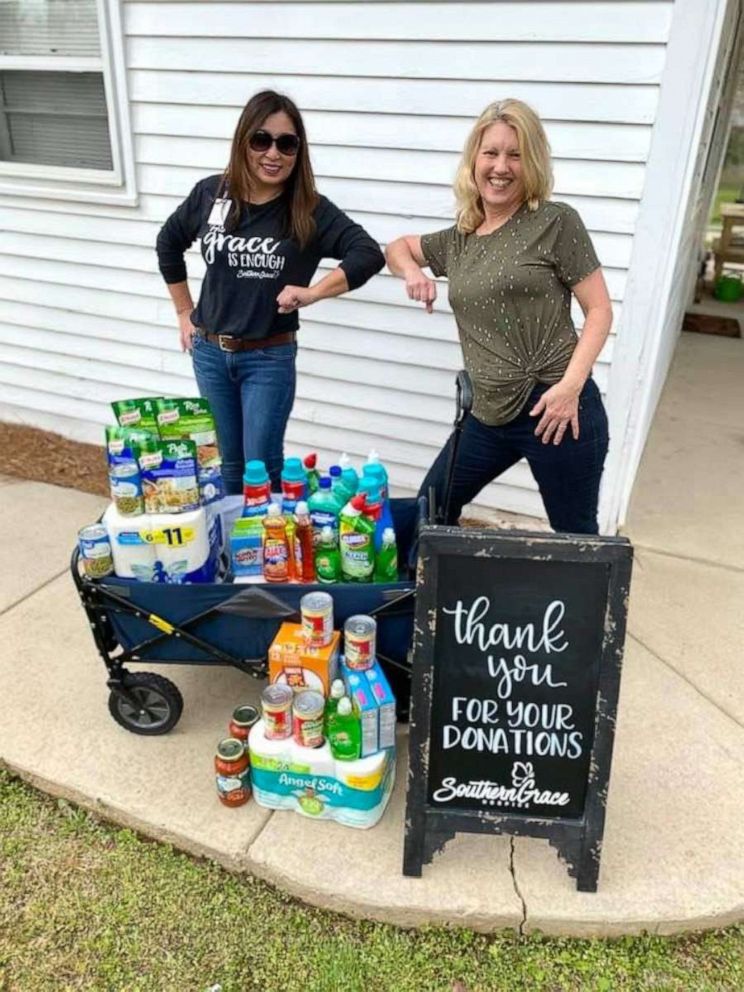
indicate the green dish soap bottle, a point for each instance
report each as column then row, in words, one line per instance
column 338, row 689
column 327, row 557
column 345, row 731
column 386, row 561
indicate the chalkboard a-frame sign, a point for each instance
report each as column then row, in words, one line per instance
column 518, row 646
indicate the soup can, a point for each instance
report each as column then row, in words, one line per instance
column 316, row 609
column 243, row 718
column 307, row 721
column 95, row 551
column 276, row 703
column 360, row 636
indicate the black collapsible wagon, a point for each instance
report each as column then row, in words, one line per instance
column 234, row 624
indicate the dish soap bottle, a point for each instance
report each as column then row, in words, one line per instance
column 345, row 731
column 337, row 691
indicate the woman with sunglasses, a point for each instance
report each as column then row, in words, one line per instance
column 263, row 228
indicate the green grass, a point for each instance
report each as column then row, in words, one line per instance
column 87, row 906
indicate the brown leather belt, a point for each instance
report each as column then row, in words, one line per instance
column 227, row 342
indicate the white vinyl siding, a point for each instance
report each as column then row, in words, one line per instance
column 389, row 92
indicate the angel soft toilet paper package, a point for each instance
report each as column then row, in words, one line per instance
column 165, row 547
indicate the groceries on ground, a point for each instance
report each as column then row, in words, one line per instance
column 325, row 746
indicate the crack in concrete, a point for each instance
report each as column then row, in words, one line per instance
column 513, row 872
column 32, row 592
column 686, row 679
column 650, row 549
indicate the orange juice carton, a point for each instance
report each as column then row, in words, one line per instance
column 383, row 695
column 301, row 665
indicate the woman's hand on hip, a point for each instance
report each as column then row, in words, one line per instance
column 420, row 288
column 292, row 298
column 186, row 330
column 558, row 407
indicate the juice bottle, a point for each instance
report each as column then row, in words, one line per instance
column 327, row 558
column 294, row 484
column 386, row 560
column 256, row 489
column 303, row 544
column 324, row 509
column 349, row 473
column 276, row 554
column 345, row 731
column 338, row 487
column 356, row 541
column 337, row 691
column 313, row 475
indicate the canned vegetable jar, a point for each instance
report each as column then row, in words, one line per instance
column 307, row 723
column 276, row 703
column 233, row 776
column 243, row 718
column 95, row 551
column 360, row 635
column 316, row 609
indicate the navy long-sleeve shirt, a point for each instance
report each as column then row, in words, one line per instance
column 248, row 267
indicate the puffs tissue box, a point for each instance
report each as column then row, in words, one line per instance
column 165, row 547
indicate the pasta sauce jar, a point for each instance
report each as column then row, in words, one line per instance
column 307, row 723
column 233, row 775
column 243, row 718
column 276, row 703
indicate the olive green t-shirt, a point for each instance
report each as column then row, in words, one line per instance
column 511, row 296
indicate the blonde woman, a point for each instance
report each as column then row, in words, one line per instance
column 513, row 260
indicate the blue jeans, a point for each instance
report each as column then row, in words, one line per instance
column 567, row 474
column 251, row 394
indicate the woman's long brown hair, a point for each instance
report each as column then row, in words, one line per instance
column 300, row 186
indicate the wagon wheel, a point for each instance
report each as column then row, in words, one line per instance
column 159, row 704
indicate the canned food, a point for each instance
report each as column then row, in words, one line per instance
column 243, row 718
column 360, row 635
column 95, row 551
column 316, row 609
column 233, row 777
column 307, row 723
column 276, row 703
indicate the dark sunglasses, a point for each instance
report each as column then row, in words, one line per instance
column 286, row 144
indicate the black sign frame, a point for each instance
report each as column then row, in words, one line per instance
column 427, row 827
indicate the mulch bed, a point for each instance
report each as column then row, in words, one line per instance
column 41, row 456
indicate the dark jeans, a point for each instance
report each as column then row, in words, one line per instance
column 251, row 394
column 568, row 474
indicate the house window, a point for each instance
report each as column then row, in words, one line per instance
column 64, row 117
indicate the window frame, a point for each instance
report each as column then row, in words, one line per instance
column 116, row 185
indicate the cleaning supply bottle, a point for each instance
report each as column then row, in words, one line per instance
column 356, row 541
column 303, row 544
column 338, row 689
column 324, row 509
column 370, row 488
column 276, row 552
column 338, row 487
column 294, row 484
column 379, row 506
column 256, row 489
column 345, row 731
column 349, row 474
column 386, row 559
column 378, row 470
column 327, row 558
column 313, row 475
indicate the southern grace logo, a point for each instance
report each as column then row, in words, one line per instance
column 523, row 792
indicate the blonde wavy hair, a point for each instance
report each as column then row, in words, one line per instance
column 534, row 149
